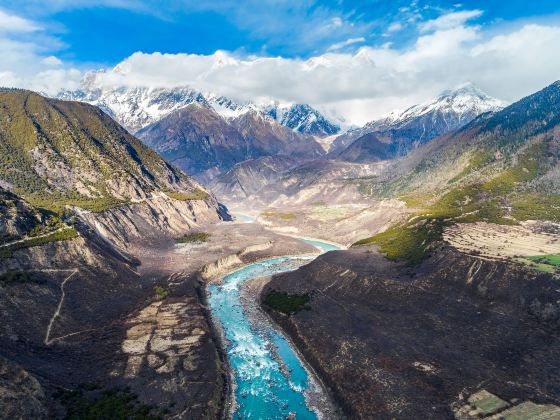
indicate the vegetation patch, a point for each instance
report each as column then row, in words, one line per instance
column 61, row 235
column 534, row 206
column 410, row 243
column 286, row 303
column 195, row 237
column 56, row 203
column 319, row 203
column 161, row 292
column 53, row 223
column 88, row 402
column 14, row 277
column 196, row 194
column 546, row 263
column 279, row 215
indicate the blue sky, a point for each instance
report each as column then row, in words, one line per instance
column 353, row 59
column 106, row 31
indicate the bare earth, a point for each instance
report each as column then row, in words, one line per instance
column 499, row 241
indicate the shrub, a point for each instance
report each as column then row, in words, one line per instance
column 61, row 235
column 195, row 237
column 161, row 292
column 12, row 277
column 90, row 403
column 286, row 303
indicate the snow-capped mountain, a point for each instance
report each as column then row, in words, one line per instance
column 302, row 118
column 450, row 110
column 398, row 133
column 134, row 107
column 197, row 139
column 419, row 124
column 137, row 107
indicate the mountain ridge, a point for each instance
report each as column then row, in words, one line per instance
column 136, row 107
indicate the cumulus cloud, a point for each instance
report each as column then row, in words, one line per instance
column 362, row 85
column 24, row 62
column 356, row 85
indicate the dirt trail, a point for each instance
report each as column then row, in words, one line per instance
column 47, row 340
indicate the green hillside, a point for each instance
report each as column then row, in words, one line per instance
column 54, row 153
column 502, row 168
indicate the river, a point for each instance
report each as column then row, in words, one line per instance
column 271, row 381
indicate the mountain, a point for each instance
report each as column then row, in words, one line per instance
column 246, row 179
column 419, row 124
column 469, row 274
column 55, row 152
column 136, row 107
column 502, row 168
column 303, row 119
column 197, row 139
column 450, row 110
column 84, row 209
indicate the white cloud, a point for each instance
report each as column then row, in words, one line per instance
column 350, row 41
column 369, row 82
column 450, row 20
column 395, row 27
column 51, row 60
column 11, row 23
column 358, row 86
column 24, row 62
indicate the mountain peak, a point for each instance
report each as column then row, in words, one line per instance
column 467, row 88
column 302, row 118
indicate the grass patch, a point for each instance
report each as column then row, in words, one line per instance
column 286, row 303
column 195, row 237
column 410, row 243
column 58, row 203
column 279, row 215
column 88, row 402
column 62, row 235
column 319, row 203
column 533, row 206
column 196, row 194
column 161, row 292
column 546, row 263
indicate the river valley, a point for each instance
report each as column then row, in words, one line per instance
column 270, row 379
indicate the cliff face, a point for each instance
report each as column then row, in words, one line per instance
column 393, row 342
column 159, row 215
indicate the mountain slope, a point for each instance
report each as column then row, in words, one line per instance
column 266, row 137
column 196, row 138
column 420, row 124
column 247, row 178
column 502, row 168
column 55, row 152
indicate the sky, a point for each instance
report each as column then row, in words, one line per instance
column 354, row 60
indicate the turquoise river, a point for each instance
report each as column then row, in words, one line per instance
column 270, row 378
